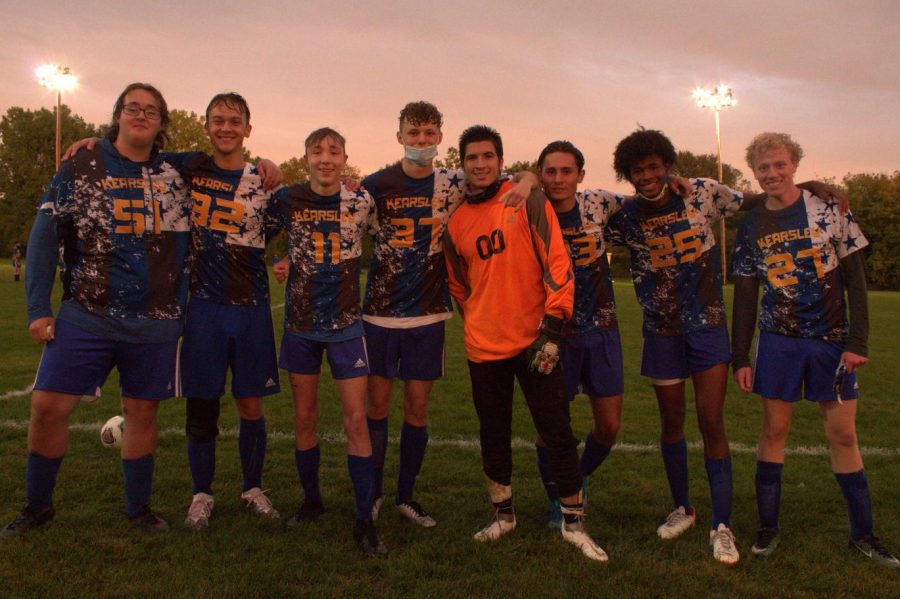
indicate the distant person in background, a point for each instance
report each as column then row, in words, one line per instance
column 17, row 262
column 807, row 255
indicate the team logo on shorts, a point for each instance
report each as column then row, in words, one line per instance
column 360, row 363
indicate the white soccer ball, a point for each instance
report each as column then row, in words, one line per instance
column 112, row 432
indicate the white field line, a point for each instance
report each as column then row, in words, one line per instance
column 471, row 444
column 16, row 393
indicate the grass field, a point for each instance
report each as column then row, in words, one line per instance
column 90, row 550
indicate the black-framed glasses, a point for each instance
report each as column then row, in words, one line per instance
column 150, row 112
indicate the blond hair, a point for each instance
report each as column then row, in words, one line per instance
column 772, row 141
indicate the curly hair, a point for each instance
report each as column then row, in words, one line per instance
column 639, row 145
column 772, row 141
column 421, row 113
column 162, row 138
column 477, row 133
column 564, row 146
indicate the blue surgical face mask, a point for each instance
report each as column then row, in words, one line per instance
column 420, row 156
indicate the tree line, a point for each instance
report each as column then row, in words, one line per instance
column 27, row 163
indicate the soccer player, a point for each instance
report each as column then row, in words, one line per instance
column 678, row 283
column 407, row 300
column 677, row 278
column 807, row 255
column 325, row 224
column 591, row 346
column 512, row 280
column 124, row 211
column 229, row 321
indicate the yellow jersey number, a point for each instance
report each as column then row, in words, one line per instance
column 405, row 230
column 780, row 267
column 583, row 250
column 319, row 241
column 663, row 249
column 223, row 218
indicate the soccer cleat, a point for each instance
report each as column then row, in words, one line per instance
column 677, row 523
column 872, row 548
column 724, row 547
column 414, row 512
column 148, row 521
column 26, row 520
column 574, row 533
column 309, row 510
column 376, row 508
column 257, row 501
column 556, row 517
column 499, row 525
column 767, row 540
column 200, row 511
column 367, row 538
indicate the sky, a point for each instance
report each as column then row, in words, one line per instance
column 825, row 71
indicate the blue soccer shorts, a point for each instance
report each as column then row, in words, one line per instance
column 676, row 358
column 347, row 359
column 77, row 362
column 218, row 337
column 592, row 364
column 415, row 354
column 793, row 368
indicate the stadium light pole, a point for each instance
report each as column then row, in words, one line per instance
column 58, row 79
column 716, row 99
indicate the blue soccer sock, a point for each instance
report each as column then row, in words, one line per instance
column 413, row 441
column 675, row 460
column 718, row 471
column 307, row 461
column 378, row 435
column 252, row 447
column 592, row 455
column 768, row 492
column 362, row 475
column 546, row 472
column 855, row 487
column 138, row 483
column 202, row 460
column 40, row 479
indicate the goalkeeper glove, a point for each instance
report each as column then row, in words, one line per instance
column 543, row 353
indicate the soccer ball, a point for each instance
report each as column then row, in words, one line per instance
column 112, row 432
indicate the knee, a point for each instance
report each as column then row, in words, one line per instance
column 606, row 432
column 250, row 408
column 356, row 426
column 842, row 437
column 416, row 413
column 774, row 433
column 202, row 422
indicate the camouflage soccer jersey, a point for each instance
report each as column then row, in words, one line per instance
column 796, row 252
column 676, row 272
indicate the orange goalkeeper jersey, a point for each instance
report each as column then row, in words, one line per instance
column 507, row 268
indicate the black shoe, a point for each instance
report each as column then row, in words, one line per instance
column 309, row 510
column 29, row 518
column 148, row 521
column 767, row 540
column 872, row 548
column 365, row 535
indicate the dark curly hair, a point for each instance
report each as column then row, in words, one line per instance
column 421, row 113
column 477, row 133
column 162, row 137
column 639, row 145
